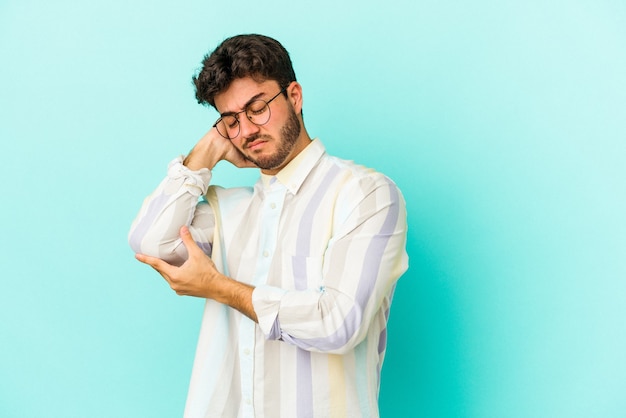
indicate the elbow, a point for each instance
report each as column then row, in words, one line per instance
column 329, row 345
column 134, row 240
column 155, row 246
column 349, row 337
column 346, row 335
column 341, row 343
column 142, row 241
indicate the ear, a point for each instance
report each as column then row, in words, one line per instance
column 294, row 95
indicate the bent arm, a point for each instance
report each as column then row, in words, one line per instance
column 361, row 265
column 174, row 203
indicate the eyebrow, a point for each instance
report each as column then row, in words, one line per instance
column 253, row 98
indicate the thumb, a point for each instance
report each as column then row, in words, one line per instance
column 190, row 244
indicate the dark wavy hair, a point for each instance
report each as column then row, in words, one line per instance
column 256, row 56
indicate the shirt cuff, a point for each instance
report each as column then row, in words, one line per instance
column 266, row 304
column 196, row 182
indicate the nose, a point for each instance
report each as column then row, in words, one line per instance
column 247, row 128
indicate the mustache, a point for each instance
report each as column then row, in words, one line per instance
column 254, row 137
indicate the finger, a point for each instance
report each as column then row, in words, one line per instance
column 249, row 164
column 237, row 158
column 188, row 241
column 156, row 263
column 244, row 162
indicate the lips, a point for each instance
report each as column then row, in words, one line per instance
column 255, row 144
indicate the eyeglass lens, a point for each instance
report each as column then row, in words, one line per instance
column 257, row 112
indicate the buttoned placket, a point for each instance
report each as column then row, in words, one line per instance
column 272, row 206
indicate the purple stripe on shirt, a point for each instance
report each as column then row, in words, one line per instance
column 303, row 243
column 382, row 340
column 304, row 382
column 155, row 207
column 205, row 247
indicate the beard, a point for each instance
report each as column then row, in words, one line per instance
column 289, row 134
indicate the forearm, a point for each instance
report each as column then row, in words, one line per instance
column 211, row 149
column 337, row 315
column 200, row 158
column 198, row 276
column 155, row 230
column 235, row 294
column 323, row 320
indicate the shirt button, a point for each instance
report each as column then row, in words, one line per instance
column 266, row 253
column 248, row 401
column 273, row 205
column 246, row 352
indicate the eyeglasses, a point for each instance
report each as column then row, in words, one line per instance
column 257, row 111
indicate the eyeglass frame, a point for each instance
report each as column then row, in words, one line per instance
column 245, row 110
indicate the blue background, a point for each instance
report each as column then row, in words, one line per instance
column 504, row 123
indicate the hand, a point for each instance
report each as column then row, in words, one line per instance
column 213, row 148
column 199, row 277
column 196, row 277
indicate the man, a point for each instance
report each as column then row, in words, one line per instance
column 298, row 271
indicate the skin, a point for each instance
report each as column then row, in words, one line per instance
column 270, row 147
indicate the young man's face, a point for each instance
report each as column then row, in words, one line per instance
column 271, row 145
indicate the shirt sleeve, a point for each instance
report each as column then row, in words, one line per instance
column 364, row 258
column 174, row 203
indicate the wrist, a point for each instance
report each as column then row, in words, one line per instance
column 195, row 164
column 235, row 294
column 203, row 155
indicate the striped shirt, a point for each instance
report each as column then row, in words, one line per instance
column 323, row 242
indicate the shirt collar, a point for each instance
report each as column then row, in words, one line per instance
column 296, row 171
